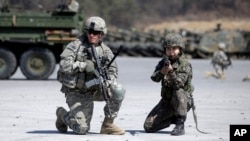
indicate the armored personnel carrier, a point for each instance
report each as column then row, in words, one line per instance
column 136, row 43
column 235, row 44
column 203, row 45
column 34, row 41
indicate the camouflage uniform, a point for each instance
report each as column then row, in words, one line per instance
column 70, row 5
column 176, row 93
column 79, row 97
column 220, row 62
column 73, row 5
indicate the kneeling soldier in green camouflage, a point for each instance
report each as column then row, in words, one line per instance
column 88, row 73
column 175, row 74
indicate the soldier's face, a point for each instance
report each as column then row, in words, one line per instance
column 172, row 52
column 94, row 36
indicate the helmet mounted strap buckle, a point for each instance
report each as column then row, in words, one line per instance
column 169, row 43
column 92, row 26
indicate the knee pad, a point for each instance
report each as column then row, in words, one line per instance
column 80, row 129
column 148, row 127
column 118, row 91
column 79, row 123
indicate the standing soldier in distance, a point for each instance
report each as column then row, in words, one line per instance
column 73, row 5
column 220, row 62
column 175, row 74
column 77, row 68
column 69, row 5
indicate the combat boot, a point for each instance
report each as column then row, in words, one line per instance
column 60, row 124
column 208, row 74
column 223, row 77
column 179, row 128
column 108, row 127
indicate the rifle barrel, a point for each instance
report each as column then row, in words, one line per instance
column 117, row 53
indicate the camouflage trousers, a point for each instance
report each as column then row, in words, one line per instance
column 219, row 71
column 166, row 111
column 81, row 109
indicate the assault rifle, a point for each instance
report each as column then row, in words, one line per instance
column 229, row 61
column 226, row 63
column 165, row 61
column 103, row 76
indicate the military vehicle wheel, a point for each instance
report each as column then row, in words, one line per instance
column 37, row 63
column 8, row 63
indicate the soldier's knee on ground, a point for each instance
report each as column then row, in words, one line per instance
column 79, row 129
column 79, row 123
column 148, row 125
column 150, row 128
column 118, row 91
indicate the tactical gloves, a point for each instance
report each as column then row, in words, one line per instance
column 90, row 67
column 80, row 65
column 87, row 66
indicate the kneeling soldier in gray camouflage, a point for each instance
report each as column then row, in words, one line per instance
column 175, row 74
column 220, row 62
column 79, row 77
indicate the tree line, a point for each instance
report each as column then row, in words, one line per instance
column 136, row 13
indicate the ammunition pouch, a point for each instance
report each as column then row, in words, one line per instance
column 71, row 80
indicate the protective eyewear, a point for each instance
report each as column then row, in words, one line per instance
column 93, row 32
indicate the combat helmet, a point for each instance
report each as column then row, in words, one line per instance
column 118, row 91
column 221, row 45
column 173, row 40
column 96, row 24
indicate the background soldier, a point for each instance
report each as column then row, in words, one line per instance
column 220, row 62
column 73, row 5
column 246, row 78
column 175, row 74
column 78, row 76
column 69, row 5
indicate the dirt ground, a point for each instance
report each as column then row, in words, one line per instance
column 27, row 107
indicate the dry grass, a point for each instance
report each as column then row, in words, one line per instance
column 201, row 26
